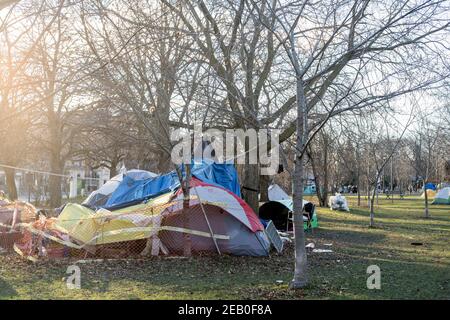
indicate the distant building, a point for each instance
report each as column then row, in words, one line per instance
column 81, row 180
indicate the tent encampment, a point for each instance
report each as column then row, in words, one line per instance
column 132, row 191
column 238, row 229
column 213, row 212
column 99, row 197
column 430, row 194
column 144, row 214
column 430, row 186
column 442, row 197
column 309, row 190
column 277, row 193
column 280, row 212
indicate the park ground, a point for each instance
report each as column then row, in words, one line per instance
column 407, row 271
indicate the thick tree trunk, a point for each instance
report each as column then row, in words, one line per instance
column 55, row 191
column 113, row 168
column 300, row 274
column 11, row 183
column 55, row 183
column 163, row 161
column 264, row 188
column 250, row 189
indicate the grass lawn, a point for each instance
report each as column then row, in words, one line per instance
column 407, row 271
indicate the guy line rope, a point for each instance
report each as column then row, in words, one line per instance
column 44, row 172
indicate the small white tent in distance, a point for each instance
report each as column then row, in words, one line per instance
column 277, row 193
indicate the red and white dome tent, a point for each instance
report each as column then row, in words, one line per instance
column 213, row 209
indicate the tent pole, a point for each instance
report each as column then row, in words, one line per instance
column 207, row 222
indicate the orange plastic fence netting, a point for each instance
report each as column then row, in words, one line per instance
column 162, row 226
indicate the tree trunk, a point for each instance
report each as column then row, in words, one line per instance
column 358, row 182
column 427, row 213
column 359, row 191
column 55, row 184
column 300, row 274
column 113, row 168
column 372, row 212
column 163, row 161
column 11, row 183
column 251, row 186
column 321, row 187
column 264, row 188
column 324, row 193
column 372, row 204
column 318, row 182
column 368, row 193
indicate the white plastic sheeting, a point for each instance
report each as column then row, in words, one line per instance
column 277, row 193
column 338, row 202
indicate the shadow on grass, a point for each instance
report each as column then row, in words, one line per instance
column 346, row 236
column 400, row 278
column 6, row 290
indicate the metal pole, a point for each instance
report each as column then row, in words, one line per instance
column 207, row 222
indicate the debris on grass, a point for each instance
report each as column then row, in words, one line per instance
column 90, row 260
column 322, row 251
column 310, row 245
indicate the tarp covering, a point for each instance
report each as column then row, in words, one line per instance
column 99, row 197
column 234, row 224
column 430, row 186
column 90, row 227
column 130, row 190
column 277, row 193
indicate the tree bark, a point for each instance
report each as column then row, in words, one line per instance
column 358, row 182
column 264, row 188
column 372, row 206
column 300, row 274
column 427, row 212
column 358, row 175
column 113, row 168
column 55, row 184
column 11, row 183
column 251, row 186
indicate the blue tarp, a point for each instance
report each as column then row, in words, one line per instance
column 430, row 186
column 131, row 190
